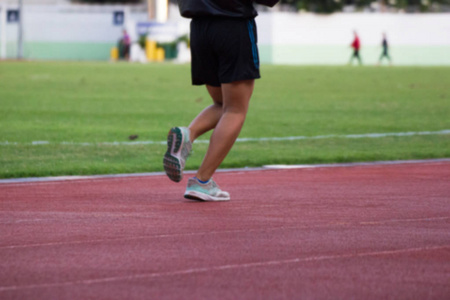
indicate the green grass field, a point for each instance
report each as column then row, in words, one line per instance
column 75, row 107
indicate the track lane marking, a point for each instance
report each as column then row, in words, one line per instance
column 239, row 140
column 13, row 182
column 222, row 268
column 126, row 238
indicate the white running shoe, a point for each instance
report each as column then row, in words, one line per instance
column 179, row 147
column 205, row 191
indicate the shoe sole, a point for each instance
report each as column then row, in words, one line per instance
column 193, row 195
column 171, row 162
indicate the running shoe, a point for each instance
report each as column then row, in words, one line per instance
column 209, row 191
column 179, row 147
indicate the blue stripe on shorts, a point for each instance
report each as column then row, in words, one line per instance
column 251, row 29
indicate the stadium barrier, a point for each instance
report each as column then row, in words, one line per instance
column 80, row 32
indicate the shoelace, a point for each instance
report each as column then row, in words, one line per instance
column 186, row 150
column 214, row 184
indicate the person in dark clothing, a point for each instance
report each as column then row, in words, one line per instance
column 224, row 58
column 124, row 46
column 385, row 53
column 356, row 45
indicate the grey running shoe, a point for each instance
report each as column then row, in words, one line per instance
column 205, row 192
column 179, row 147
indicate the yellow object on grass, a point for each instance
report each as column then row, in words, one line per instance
column 114, row 53
column 150, row 50
column 160, row 54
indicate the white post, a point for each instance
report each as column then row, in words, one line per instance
column 162, row 10
column 20, row 32
column 3, row 32
column 151, row 9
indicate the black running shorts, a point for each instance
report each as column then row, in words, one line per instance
column 223, row 50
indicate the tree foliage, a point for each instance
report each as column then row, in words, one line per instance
column 324, row 6
column 329, row 6
column 109, row 1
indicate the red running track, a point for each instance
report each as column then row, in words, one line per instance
column 361, row 232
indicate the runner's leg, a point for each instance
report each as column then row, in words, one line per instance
column 208, row 118
column 236, row 97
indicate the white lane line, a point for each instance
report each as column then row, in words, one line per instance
column 176, row 235
column 221, row 268
column 242, row 140
column 59, row 179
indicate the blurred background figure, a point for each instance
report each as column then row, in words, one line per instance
column 385, row 53
column 356, row 45
column 124, row 46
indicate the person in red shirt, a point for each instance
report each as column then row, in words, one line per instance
column 356, row 45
